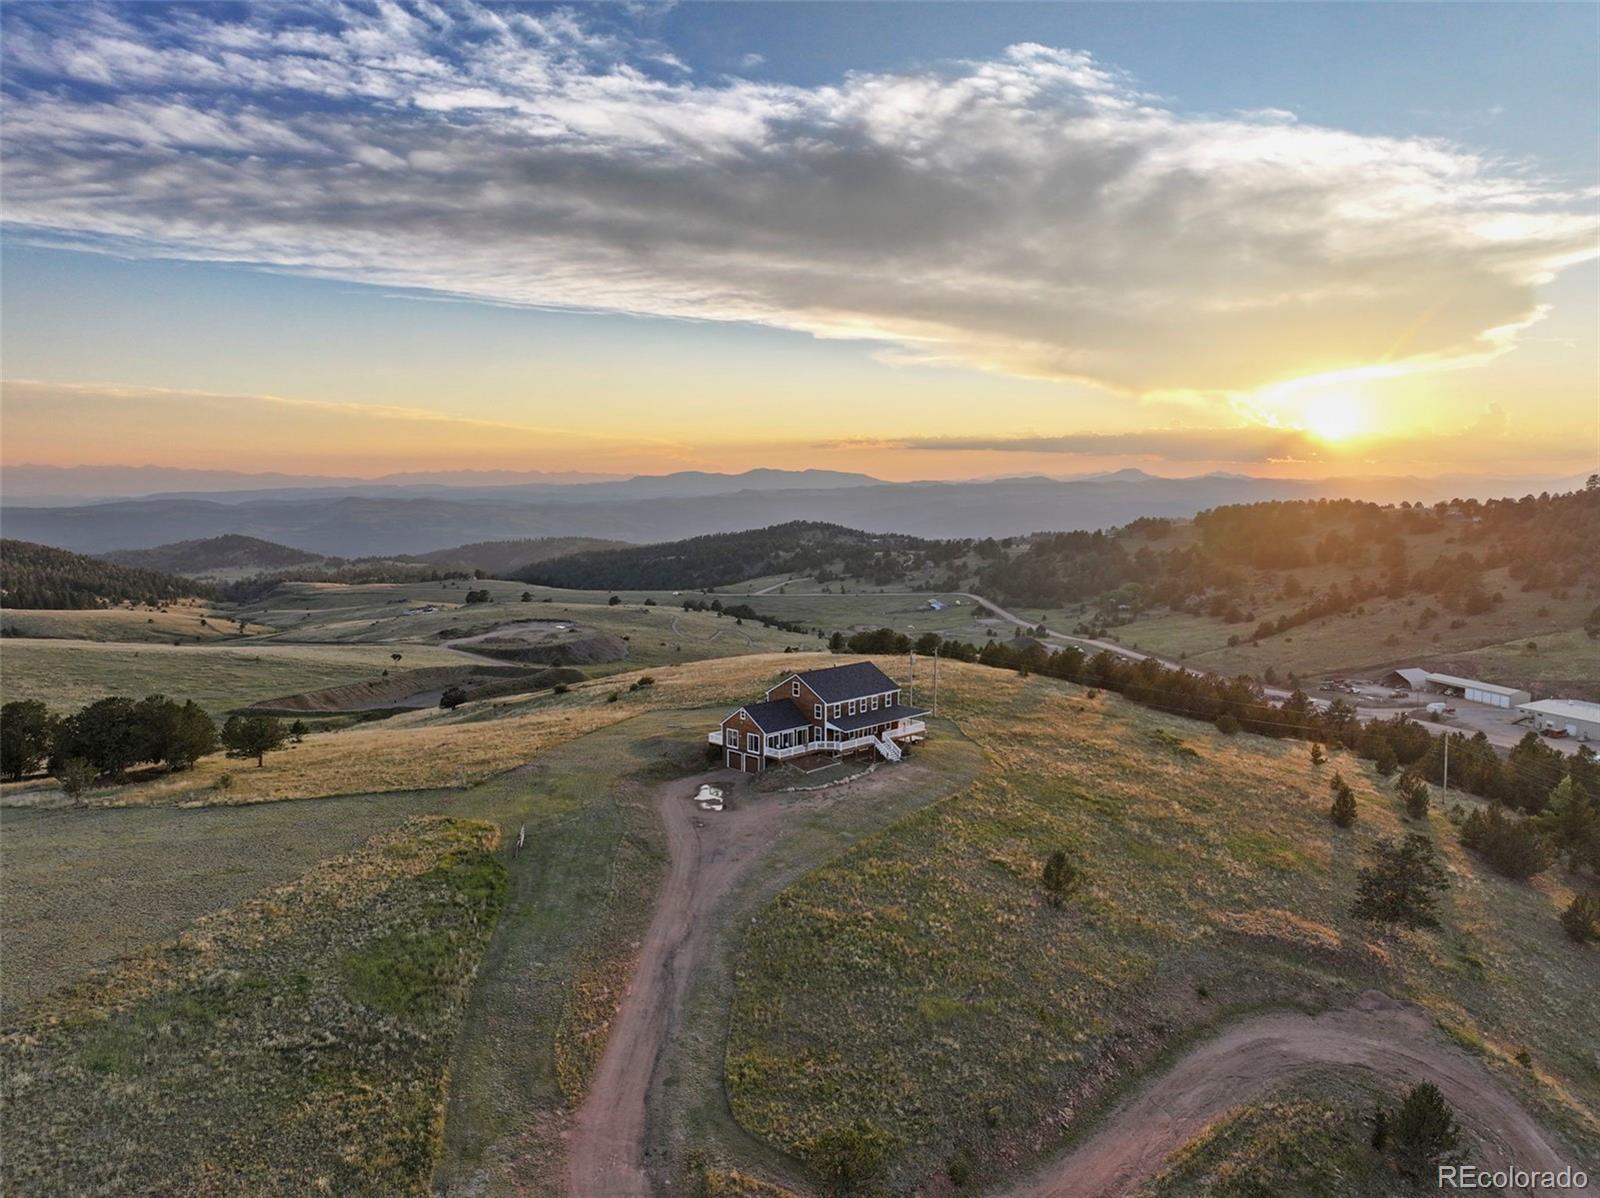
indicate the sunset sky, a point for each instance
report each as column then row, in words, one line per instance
column 915, row 240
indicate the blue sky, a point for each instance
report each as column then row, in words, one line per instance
column 1018, row 224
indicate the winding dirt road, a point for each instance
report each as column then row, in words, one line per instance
column 1379, row 1035
column 710, row 852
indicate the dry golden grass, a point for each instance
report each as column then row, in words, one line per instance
column 127, row 624
column 427, row 749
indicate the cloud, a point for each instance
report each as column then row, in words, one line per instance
column 1033, row 214
column 1248, row 444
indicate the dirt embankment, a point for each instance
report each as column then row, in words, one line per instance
column 1391, row 1040
column 585, row 649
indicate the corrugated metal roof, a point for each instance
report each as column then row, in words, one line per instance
column 1564, row 709
column 1475, row 684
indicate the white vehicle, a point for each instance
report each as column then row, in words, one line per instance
column 709, row 798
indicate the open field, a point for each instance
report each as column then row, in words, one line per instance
column 68, row 674
column 431, row 748
column 294, row 1044
column 921, row 976
column 128, row 624
column 375, row 614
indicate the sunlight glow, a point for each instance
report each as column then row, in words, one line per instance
column 1334, row 415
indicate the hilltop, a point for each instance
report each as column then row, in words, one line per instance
column 40, row 576
column 718, row 559
column 207, row 555
column 502, row 559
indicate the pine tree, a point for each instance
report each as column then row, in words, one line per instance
column 1317, row 755
column 1060, row 877
column 1401, row 884
column 1581, row 919
column 1424, row 1130
column 1343, row 812
column 1413, row 792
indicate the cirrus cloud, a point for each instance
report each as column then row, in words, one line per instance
column 1032, row 214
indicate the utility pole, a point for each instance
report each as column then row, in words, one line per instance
column 1446, row 759
column 912, row 654
column 936, row 682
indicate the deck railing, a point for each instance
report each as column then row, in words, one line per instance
column 839, row 745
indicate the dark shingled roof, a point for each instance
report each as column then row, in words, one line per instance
column 839, row 684
column 884, row 715
column 778, row 715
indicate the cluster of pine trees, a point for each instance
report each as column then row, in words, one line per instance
column 107, row 738
column 40, row 576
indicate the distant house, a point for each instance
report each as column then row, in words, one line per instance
column 837, row 711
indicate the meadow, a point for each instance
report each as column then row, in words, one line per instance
column 921, row 982
column 295, row 1043
column 188, row 622
column 68, row 674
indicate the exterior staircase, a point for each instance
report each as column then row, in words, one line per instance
column 887, row 747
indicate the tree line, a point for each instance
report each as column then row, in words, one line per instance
column 108, row 737
column 41, row 576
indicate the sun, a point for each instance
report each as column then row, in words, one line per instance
column 1334, row 415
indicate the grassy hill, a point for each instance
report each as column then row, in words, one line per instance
column 1336, row 587
column 39, row 576
column 922, row 983
column 892, row 961
column 208, row 555
column 799, row 547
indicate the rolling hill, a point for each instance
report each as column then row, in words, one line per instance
column 502, row 559
column 41, row 576
column 231, row 551
column 718, row 559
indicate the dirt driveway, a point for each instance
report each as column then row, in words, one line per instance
column 710, row 852
column 1392, row 1040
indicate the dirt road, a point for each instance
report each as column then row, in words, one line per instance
column 710, row 852
column 1392, row 1040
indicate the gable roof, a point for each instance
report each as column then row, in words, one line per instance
column 775, row 715
column 836, row 684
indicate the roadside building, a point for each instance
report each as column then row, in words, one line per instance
column 1408, row 678
column 1574, row 717
column 1474, row 691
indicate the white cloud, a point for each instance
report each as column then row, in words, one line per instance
column 1033, row 214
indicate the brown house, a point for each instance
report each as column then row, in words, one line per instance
column 840, row 710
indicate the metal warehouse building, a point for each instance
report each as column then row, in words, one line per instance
column 1574, row 716
column 1474, row 691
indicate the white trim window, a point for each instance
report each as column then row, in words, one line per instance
column 817, row 711
column 852, row 707
column 838, row 710
column 752, row 742
column 794, row 689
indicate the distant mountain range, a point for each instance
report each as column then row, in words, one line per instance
column 353, row 522
column 236, row 554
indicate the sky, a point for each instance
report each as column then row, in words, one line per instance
column 918, row 240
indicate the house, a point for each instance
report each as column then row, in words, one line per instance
column 1573, row 717
column 843, row 709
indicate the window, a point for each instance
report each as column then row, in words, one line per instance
column 838, row 710
column 794, row 688
column 752, row 742
column 852, row 706
column 817, row 711
column 874, row 702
